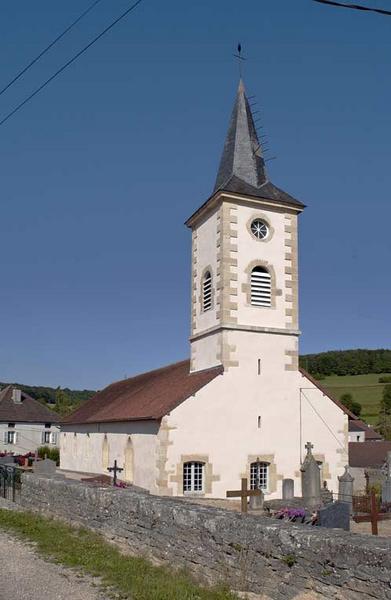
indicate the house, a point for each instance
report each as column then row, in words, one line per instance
column 25, row 424
column 367, row 462
column 240, row 406
column 361, row 432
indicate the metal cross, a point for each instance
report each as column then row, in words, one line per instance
column 115, row 470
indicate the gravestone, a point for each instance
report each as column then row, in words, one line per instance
column 345, row 488
column 288, row 489
column 310, row 479
column 386, row 487
column 256, row 502
column 326, row 495
column 336, row 515
column 45, row 467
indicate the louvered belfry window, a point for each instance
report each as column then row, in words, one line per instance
column 261, row 287
column 207, row 292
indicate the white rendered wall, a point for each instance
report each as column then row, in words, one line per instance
column 271, row 251
column 29, row 437
column 221, row 421
column 81, row 449
column 204, row 250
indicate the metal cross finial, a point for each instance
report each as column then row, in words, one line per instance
column 240, row 59
column 309, row 447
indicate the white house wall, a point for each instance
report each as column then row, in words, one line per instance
column 29, row 437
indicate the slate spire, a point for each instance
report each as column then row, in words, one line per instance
column 242, row 155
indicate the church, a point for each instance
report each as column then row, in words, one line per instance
column 240, row 406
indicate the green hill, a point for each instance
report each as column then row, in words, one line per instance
column 63, row 401
column 364, row 389
column 355, row 372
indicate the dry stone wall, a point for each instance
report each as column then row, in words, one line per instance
column 279, row 560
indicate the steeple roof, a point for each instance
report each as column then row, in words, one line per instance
column 242, row 166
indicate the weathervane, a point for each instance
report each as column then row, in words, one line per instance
column 240, row 58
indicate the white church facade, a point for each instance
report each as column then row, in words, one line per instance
column 240, row 407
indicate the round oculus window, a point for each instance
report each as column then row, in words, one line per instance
column 259, row 229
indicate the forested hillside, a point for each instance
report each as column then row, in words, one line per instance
column 347, row 362
column 60, row 400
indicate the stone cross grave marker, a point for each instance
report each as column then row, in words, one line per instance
column 374, row 516
column 115, row 470
column 45, row 467
column 310, row 479
column 386, row 487
column 244, row 493
column 288, row 489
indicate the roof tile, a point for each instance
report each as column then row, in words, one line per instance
column 148, row 396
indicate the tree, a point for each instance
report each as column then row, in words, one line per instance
column 351, row 404
column 386, row 400
column 384, row 426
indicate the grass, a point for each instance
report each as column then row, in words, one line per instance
column 365, row 389
column 132, row 577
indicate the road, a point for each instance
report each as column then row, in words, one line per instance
column 26, row 576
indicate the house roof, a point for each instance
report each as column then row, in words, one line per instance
column 148, row 396
column 368, row 454
column 26, row 411
column 370, row 433
column 327, row 393
column 242, row 167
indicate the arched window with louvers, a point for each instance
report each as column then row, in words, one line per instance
column 261, row 287
column 207, row 291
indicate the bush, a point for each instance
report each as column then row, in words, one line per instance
column 351, row 404
column 319, row 376
column 385, row 379
column 52, row 453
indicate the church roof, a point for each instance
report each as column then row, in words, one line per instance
column 149, row 396
column 242, row 167
column 27, row 410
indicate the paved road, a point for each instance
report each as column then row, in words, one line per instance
column 26, row 576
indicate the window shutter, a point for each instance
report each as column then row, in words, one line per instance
column 5, row 437
column 207, row 292
column 261, row 287
column 16, row 436
column 53, row 437
column 42, row 437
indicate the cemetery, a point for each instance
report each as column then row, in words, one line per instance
column 280, row 548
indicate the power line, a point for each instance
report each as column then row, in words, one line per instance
column 380, row 11
column 53, row 43
column 70, row 61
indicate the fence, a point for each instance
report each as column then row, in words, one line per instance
column 10, row 482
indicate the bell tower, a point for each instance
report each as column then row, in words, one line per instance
column 244, row 308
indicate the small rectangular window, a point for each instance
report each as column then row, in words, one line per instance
column 259, row 366
column 11, row 424
column 11, row 437
column 259, row 422
column 48, row 425
column 46, row 437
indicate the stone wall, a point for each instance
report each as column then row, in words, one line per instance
column 251, row 553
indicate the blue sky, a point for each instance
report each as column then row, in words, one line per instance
column 100, row 171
